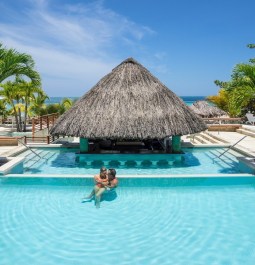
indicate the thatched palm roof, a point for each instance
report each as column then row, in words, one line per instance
column 205, row 110
column 128, row 103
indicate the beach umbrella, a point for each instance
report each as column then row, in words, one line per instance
column 128, row 103
column 205, row 110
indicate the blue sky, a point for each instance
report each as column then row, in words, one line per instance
column 187, row 44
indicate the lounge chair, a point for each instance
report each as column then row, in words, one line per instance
column 250, row 117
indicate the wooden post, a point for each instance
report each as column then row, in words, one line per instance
column 84, row 145
column 176, row 144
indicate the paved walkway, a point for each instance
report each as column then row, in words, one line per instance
column 4, row 130
column 7, row 150
column 246, row 145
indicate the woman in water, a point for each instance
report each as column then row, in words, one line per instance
column 101, row 180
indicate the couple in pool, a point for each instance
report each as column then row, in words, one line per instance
column 105, row 181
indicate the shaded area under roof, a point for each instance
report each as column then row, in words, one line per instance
column 128, row 103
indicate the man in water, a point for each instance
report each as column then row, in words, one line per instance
column 112, row 180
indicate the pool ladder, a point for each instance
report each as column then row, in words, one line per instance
column 30, row 149
column 230, row 147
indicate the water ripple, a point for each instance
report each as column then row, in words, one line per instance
column 148, row 225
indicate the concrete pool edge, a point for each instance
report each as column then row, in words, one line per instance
column 11, row 164
column 244, row 175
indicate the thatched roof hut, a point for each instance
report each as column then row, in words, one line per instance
column 205, row 110
column 128, row 103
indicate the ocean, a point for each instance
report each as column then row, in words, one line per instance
column 187, row 99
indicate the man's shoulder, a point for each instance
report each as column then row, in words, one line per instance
column 115, row 181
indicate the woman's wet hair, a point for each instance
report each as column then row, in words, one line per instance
column 111, row 173
column 103, row 171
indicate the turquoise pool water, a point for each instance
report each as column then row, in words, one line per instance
column 13, row 134
column 193, row 161
column 156, row 221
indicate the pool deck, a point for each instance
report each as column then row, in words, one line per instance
column 246, row 146
column 140, row 176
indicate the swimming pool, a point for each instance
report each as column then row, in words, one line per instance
column 148, row 221
column 13, row 134
column 193, row 161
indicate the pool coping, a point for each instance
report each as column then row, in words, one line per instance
column 238, row 175
column 21, row 149
column 10, row 163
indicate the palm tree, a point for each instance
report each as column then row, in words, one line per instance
column 38, row 106
column 65, row 104
column 243, row 85
column 3, row 109
column 221, row 100
column 11, row 96
column 239, row 93
column 19, row 95
column 13, row 63
column 60, row 108
column 251, row 46
column 28, row 92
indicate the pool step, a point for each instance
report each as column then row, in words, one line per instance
column 221, row 159
column 249, row 127
column 32, row 159
column 205, row 138
column 210, row 139
column 223, row 156
column 132, row 163
column 219, row 139
column 246, row 131
column 196, row 139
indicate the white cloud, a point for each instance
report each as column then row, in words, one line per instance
column 74, row 45
column 64, row 72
